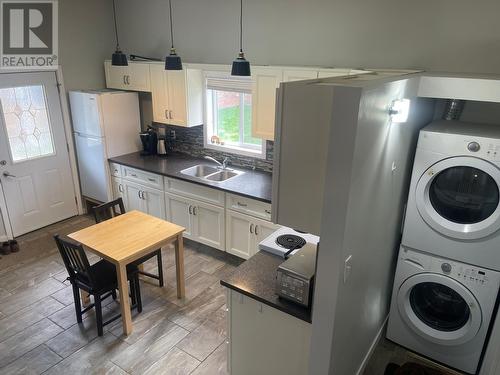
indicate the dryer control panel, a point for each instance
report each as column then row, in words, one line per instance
column 471, row 274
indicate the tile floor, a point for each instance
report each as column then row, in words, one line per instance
column 39, row 333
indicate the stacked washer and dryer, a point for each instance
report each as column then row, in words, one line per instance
column 447, row 277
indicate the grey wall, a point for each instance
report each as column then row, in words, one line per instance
column 363, row 206
column 435, row 35
column 86, row 39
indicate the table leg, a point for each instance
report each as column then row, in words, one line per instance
column 85, row 297
column 179, row 265
column 121, row 271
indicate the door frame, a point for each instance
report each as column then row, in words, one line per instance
column 63, row 100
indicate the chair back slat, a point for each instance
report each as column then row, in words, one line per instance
column 75, row 260
column 108, row 210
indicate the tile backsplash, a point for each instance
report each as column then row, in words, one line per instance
column 190, row 141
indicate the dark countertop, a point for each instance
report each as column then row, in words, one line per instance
column 251, row 184
column 255, row 278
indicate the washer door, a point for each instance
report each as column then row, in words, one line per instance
column 439, row 309
column 459, row 197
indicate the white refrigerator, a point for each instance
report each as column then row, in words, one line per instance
column 106, row 123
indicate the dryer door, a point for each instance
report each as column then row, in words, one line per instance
column 459, row 197
column 439, row 309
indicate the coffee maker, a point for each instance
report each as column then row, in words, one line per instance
column 149, row 140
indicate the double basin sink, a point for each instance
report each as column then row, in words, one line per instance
column 207, row 172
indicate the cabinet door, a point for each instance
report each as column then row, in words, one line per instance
column 239, row 234
column 262, row 230
column 116, row 76
column 138, row 78
column 117, row 187
column 290, row 75
column 132, row 196
column 153, row 202
column 158, row 93
column 209, row 225
column 265, row 83
column 178, row 211
column 176, row 92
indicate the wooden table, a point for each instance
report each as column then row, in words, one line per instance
column 126, row 238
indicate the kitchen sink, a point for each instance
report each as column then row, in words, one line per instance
column 199, row 171
column 222, row 175
column 209, row 173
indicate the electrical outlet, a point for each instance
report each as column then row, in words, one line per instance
column 347, row 268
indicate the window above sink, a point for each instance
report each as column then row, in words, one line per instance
column 228, row 115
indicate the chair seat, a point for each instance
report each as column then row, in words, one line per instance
column 104, row 275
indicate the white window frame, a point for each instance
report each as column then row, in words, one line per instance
column 259, row 153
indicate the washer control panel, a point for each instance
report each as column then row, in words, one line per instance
column 468, row 274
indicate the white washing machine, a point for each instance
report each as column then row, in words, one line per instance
column 442, row 309
column 453, row 205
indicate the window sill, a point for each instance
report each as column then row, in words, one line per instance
column 238, row 150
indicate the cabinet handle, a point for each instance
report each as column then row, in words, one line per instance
column 170, row 113
column 124, row 80
column 133, row 175
column 142, row 194
column 166, row 114
column 251, row 228
column 151, row 179
column 139, row 194
column 242, row 204
column 128, row 80
column 267, row 212
column 195, row 210
column 190, row 209
column 120, row 188
column 256, row 229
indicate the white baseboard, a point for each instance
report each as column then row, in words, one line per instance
column 374, row 344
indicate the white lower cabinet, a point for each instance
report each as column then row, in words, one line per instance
column 244, row 232
column 143, row 198
column 117, row 187
column 264, row 340
column 204, row 222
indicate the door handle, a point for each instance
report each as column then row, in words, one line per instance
column 256, row 229
column 195, row 210
column 7, row 174
column 190, row 209
column 251, row 228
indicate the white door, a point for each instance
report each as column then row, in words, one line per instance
column 34, row 163
column 209, row 225
column 132, row 196
column 153, row 202
column 240, row 237
column 179, row 211
column 158, row 93
column 176, row 93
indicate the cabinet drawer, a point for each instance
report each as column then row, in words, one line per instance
column 144, row 178
column 195, row 191
column 115, row 169
column 249, row 206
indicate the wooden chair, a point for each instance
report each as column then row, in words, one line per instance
column 114, row 208
column 99, row 280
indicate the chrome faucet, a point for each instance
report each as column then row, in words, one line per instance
column 222, row 165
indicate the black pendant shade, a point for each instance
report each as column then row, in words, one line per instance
column 118, row 58
column 173, row 60
column 241, row 66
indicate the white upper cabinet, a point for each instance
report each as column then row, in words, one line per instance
column 290, row 75
column 134, row 77
column 265, row 82
column 177, row 96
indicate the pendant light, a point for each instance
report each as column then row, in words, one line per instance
column 118, row 58
column 172, row 61
column 241, row 66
